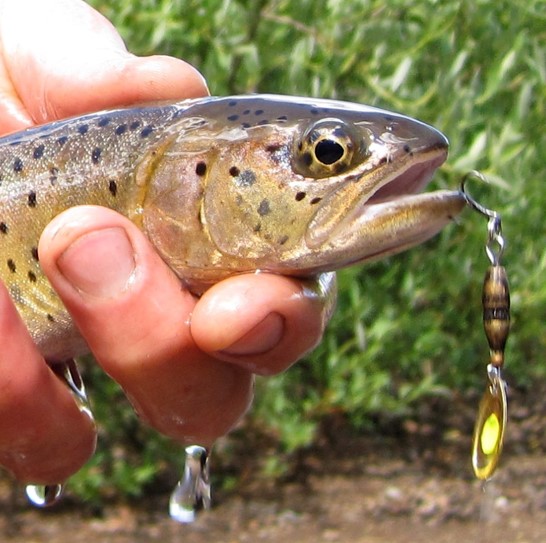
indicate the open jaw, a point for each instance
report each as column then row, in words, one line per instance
column 412, row 180
column 395, row 217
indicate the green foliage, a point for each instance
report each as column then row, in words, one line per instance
column 409, row 326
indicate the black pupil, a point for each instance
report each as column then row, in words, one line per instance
column 328, row 151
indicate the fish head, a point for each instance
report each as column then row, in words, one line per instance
column 299, row 186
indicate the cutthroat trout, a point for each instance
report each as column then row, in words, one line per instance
column 222, row 186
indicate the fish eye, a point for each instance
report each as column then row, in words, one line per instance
column 329, row 151
column 327, row 147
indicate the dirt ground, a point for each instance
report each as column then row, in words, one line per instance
column 412, row 485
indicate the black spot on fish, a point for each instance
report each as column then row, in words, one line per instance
column 34, row 253
column 95, row 155
column 314, row 111
column 300, row 196
column 316, row 200
column 407, row 149
column 50, row 317
column 246, row 178
column 83, row 128
column 282, row 118
column 146, row 131
column 259, row 112
column 234, row 171
column 233, row 117
column 264, row 208
column 246, row 111
column 62, row 140
column 104, row 121
column 38, row 151
column 232, row 103
column 31, row 277
column 17, row 165
column 11, row 265
column 134, row 125
column 3, row 228
column 113, row 187
column 121, row 129
column 31, row 199
column 201, row 169
column 263, row 122
column 245, row 125
column 53, row 174
column 283, row 240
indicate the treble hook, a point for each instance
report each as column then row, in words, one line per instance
column 494, row 225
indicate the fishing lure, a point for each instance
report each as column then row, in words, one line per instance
column 487, row 441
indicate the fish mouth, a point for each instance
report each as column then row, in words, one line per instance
column 412, row 180
column 345, row 208
column 399, row 185
column 393, row 218
column 399, row 215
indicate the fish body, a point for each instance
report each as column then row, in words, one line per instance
column 222, row 186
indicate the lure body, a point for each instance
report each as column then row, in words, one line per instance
column 222, row 186
column 490, row 424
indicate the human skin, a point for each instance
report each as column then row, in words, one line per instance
column 186, row 364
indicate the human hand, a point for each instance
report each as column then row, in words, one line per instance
column 185, row 363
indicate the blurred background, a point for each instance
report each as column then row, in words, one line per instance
column 402, row 365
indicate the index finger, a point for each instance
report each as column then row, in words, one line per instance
column 44, row 436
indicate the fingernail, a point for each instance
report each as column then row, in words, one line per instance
column 265, row 336
column 99, row 263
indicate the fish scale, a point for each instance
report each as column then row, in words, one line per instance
column 221, row 186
